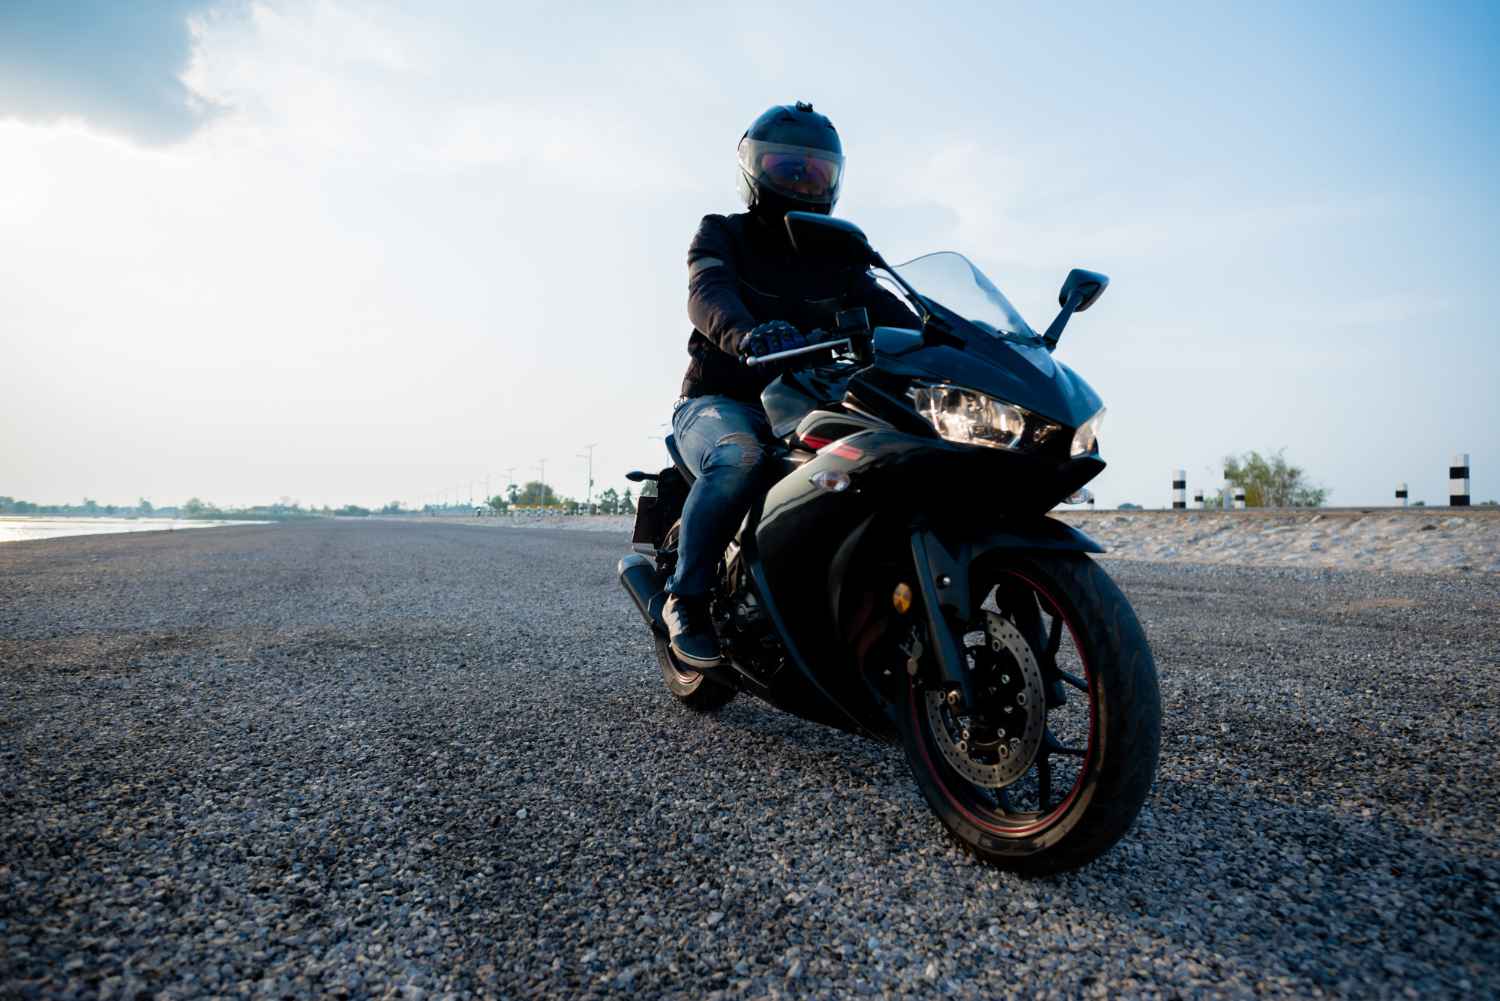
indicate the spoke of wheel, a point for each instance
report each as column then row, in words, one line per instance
column 1043, row 782
column 1055, row 746
column 1054, row 639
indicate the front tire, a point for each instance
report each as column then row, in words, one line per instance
column 1094, row 764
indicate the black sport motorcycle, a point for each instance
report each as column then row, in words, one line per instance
column 899, row 577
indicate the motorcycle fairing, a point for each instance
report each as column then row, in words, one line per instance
column 822, row 428
column 798, row 529
column 792, row 396
column 1003, row 369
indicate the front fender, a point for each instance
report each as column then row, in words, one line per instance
column 951, row 549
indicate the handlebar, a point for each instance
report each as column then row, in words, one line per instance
column 778, row 356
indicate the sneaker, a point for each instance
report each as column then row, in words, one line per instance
column 692, row 631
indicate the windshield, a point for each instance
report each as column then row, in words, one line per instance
column 950, row 281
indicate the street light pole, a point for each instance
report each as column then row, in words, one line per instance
column 589, row 499
column 542, row 469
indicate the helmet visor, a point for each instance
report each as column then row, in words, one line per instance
column 800, row 172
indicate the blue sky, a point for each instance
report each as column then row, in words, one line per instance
column 354, row 252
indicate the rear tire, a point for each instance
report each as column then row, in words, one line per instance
column 1024, row 827
column 693, row 689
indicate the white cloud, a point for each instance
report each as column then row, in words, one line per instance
column 385, row 91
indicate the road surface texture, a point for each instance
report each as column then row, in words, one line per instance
column 405, row 759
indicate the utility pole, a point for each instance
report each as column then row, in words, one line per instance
column 589, row 499
column 542, row 469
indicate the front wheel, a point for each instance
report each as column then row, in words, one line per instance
column 1053, row 765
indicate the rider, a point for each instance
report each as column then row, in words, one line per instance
column 750, row 295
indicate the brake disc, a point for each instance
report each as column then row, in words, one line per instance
column 1023, row 696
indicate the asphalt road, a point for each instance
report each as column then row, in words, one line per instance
column 404, row 759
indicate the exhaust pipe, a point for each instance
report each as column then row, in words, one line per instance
column 639, row 577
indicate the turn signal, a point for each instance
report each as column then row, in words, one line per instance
column 834, row 480
column 901, row 598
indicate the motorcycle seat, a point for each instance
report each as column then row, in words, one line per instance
column 682, row 468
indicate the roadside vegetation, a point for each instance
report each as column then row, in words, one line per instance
column 1270, row 481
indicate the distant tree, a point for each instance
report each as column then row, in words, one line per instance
column 497, row 504
column 535, row 493
column 394, row 507
column 1127, row 506
column 353, row 511
column 90, row 507
column 513, row 492
column 144, row 507
column 195, row 508
column 1418, row 503
column 1270, row 481
column 609, row 502
column 627, row 504
column 648, row 488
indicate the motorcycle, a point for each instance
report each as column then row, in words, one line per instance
column 899, row 577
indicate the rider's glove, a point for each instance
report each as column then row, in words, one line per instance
column 770, row 338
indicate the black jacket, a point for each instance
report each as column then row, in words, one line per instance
column 740, row 275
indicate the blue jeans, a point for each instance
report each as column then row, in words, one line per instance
column 721, row 441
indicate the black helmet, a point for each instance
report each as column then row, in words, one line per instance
column 791, row 158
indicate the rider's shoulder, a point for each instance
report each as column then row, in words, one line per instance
column 714, row 225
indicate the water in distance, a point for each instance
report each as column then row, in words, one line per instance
column 13, row 529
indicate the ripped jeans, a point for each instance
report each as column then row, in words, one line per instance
column 721, row 440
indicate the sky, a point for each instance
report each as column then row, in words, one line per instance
column 363, row 252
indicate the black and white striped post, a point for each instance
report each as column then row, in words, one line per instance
column 1401, row 495
column 1458, row 479
column 1198, row 498
column 1179, row 489
column 1239, row 496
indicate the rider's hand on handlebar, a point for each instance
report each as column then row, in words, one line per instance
column 770, row 338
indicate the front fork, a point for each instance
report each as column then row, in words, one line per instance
column 943, row 583
column 944, row 587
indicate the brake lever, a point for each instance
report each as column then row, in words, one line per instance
column 794, row 352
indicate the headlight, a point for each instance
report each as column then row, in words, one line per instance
column 1086, row 438
column 971, row 418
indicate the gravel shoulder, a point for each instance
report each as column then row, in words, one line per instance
column 1425, row 540
column 393, row 758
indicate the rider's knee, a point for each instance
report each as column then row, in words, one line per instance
column 740, row 451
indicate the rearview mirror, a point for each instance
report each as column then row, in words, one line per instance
column 1089, row 285
column 1079, row 291
column 833, row 243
